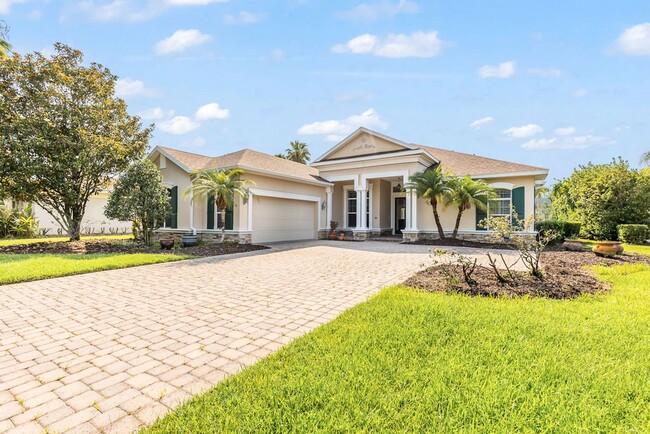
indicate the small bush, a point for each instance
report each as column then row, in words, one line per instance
column 571, row 229
column 17, row 222
column 632, row 234
column 562, row 228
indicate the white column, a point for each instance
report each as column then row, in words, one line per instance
column 414, row 212
column 361, row 209
column 329, row 207
column 408, row 195
column 250, row 212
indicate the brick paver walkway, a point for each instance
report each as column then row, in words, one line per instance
column 112, row 351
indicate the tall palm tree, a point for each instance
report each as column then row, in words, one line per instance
column 221, row 185
column 4, row 45
column 465, row 192
column 431, row 185
column 298, row 152
column 645, row 158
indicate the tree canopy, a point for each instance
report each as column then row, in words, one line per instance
column 140, row 196
column 64, row 135
column 4, row 45
column 602, row 196
column 298, row 152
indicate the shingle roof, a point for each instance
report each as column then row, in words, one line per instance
column 246, row 158
column 462, row 164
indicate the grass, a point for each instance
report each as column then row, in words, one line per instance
column 407, row 361
column 17, row 241
column 22, row 268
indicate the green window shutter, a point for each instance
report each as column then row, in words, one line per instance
column 174, row 201
column 229, row 218
column 210, row 212
column 519, row 201
column 481, row 214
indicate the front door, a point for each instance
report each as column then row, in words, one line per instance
column 400, row 214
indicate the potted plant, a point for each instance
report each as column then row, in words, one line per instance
column 333, row 226
column 189, row 240
column 608, row 248
column 342, row 236
column 167, row 243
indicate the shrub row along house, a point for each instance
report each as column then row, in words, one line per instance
column 358, row 183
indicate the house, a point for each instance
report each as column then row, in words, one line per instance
column 358, row 183
column 94, row 221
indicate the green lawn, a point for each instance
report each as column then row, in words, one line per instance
column 21, row 268
column 407, row 361
column 17, row 241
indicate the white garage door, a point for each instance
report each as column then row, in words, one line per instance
column 277, row 219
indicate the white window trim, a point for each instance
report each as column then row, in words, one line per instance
column 347, row 188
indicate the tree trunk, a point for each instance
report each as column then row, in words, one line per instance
column 223, row 225
column 458, row 217
column 74, row 227
column 436, row 217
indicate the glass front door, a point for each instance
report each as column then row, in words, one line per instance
column 400, row 214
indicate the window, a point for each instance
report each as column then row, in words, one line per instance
column 501, row 206
column 351, row 199
column 172, row 220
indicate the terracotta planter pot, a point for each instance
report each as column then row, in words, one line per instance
column 166, row 244
column 608, row 248
column 332, row 235
column 342, row 236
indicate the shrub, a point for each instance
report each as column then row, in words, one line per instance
column 633, row 234
column 562, row 228
column 601, row 197
column 17, row 222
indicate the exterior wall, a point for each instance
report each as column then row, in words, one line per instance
column 365, row 144
column 94, row 221
column 175, row 176
column 385, row 191
column 426, row 222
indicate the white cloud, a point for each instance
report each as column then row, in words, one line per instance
column 378, row 10
column 131, row 10
column 178, row 125
column 580, row 93
column 335, row 130
column 125, row 87
column 545, row 72
column 5, row 5
column 156, row 113
column 211, row 111
column 479, row 123
column 417, row 44
column 635, row 40
column 242, row 17
column 277, row 55
column 523, row 131
column 502, row 70
column 180, row 41
column 577, row 142
column 541, row 144
column 565, row 131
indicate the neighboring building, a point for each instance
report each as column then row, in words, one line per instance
column 363, row 175
column 93, row 223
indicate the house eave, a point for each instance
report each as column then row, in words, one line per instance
column 358, row 131
column 359, row 158
column 510, row 174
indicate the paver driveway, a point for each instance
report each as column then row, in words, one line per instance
column 114, row 350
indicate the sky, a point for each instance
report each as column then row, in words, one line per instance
column 553, row 84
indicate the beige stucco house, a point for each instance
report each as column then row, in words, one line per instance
column 358, row 183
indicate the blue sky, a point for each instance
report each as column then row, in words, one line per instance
column 552, row 84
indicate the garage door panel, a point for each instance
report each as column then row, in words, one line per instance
column 276, row 219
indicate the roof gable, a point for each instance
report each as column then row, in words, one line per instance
column 364, row 142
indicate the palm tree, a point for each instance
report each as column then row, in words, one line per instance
column 222, row 185
column 298, row 152
column 430, row 184
column 4, row 45
column 465, row 192
column 645, row 158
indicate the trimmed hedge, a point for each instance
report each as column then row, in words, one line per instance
column 563, row 228
column 632, row 234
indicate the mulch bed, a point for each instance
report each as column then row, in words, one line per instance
column 565, row 276
column 455, row 242
column 107, row 246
